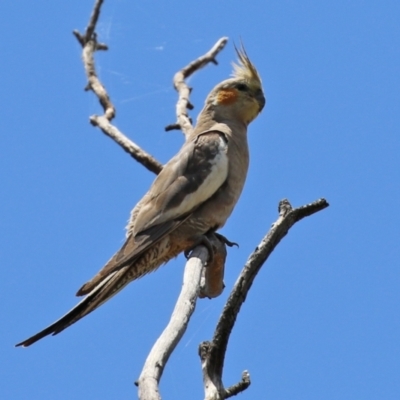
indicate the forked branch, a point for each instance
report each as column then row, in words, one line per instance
column 90, row 45
column 183, row 121
column 212, row 353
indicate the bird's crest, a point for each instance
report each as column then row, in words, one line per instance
column 245, row 69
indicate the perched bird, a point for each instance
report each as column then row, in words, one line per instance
column 193, row 195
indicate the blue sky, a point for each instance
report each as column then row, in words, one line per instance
column 322, row 319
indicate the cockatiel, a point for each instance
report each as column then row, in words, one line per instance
column 193, row 195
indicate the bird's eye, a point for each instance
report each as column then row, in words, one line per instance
column 242, row 87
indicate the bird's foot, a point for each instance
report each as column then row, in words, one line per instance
column 202, row 240
column 224, row 240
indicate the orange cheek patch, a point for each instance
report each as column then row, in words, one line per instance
column 227, row 96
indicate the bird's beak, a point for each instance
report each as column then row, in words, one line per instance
column 260, row 100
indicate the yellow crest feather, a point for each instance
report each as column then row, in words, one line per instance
column 245, row 69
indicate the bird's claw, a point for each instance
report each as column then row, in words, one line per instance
column 202, row 240
column 224, row 240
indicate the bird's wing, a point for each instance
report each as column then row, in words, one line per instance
column 186, row 181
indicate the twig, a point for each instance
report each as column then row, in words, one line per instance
column 213, row 353
column 130, row 147
column 184, row 122
column 89, row 43
column 239, row 387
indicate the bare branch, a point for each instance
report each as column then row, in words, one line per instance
column 130, row 147
column 184, row 308
column 83, row 39
column 166, row 343
column 213, row 353
column 93, row 20
column 90, row 45
column 183, row 105
column 239, row 387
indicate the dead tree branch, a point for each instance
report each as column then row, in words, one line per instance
column 183, row 121
column 89, row 44
column 184, row 308
column 212, row 353
column 166, row 343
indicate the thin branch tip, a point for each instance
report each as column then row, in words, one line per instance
column 241, row 386
column 183, row 121
column 284, row 207
column 90, row 30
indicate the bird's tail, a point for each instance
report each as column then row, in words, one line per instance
column 110, row 286
column 128, row 264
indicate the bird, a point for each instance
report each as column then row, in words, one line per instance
column 192, row 196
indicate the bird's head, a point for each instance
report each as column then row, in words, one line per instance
column 240, row 96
